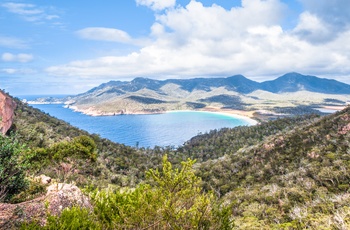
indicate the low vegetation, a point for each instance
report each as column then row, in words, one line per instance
column 13, row 164
column 168, row 199
column 290, row 173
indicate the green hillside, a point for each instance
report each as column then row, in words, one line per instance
column 291, row 173
column 298, row 178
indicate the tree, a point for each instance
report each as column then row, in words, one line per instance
column 183, row 205
column 171, row 199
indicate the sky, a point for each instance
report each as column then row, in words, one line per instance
column 68, row 47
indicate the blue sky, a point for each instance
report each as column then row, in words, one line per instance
column 68, row 47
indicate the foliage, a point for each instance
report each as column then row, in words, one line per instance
column 297, row 178
column 80, row 147
column 227, row 141
column 12, row 168
column 74, row 219
column 171, row 200
column 34, row 189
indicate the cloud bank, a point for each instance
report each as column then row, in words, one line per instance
column 212, row 41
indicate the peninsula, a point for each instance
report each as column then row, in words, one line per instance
column 292, row 93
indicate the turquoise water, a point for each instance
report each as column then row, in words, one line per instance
column 168, row 129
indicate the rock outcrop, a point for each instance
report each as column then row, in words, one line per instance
column 58, row 197
column 7, row 109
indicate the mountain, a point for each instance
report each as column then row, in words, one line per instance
column 288, row 94
column 290, row 82
column 293, row 82
column 236, row 83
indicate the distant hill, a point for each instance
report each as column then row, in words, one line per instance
column 290, row 82
column 237, row 83
column 144, row 95
column 293, row 82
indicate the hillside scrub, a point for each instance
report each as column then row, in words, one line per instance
column 169, row 199
column 291, row 173
column 12, row 168
column 296, row 179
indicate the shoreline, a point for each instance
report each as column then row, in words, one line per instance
column 247, row 116
column 232, row 114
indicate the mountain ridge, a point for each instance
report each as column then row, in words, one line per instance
column 292, row 82
column 239, row 83
column 144, row 95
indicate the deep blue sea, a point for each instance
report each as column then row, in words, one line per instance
column 168, row 129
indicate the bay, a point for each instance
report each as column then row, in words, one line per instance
column 167, row 129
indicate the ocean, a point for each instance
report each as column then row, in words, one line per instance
column 167, row 129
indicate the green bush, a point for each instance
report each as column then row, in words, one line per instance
column 35, row 189
column 172, row 199
column 74, row 219
column 12, row 168
column 81, row 147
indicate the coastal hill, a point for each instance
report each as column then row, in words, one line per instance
column 144, row 95
column 290, row 82
column 290, row 173
column 293, row 82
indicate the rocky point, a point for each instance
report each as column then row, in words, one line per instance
column 7, row 108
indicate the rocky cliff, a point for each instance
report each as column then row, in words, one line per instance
column 7, row 108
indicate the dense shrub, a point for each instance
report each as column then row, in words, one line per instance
column 13, row 164
column 75, row 219
column 80, row 147
column 171, row 199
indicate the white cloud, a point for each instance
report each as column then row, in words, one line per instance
column 8, row 71
column 50, row 17
column 313, row 29
column 9, row 57
column 30, row 12
column 17, row 71
column 332, row 18
column 206, row 41
column 335, row 12
column 13, row 43
column 110, row 35
column 157, row 4
column 21, row 8
column 104, row 34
